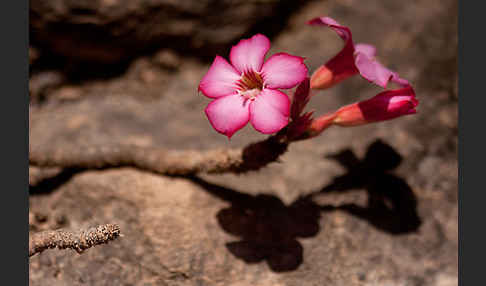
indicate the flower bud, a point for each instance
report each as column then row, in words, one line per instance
column 322, row 78
column 384, row 106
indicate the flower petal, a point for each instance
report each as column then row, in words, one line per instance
column 343, row 31
column 220, row 80
column 372, row 70
column 403, row 101
column 269, row 112
column 283, row 71
column 342, row 65
column 248, row 54
column 400, row 81
column 228, row 114
column 367, row 49
column 350, row 60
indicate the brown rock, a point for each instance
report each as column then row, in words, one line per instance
column 113, row 30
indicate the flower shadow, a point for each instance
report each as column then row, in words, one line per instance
column 392, row 205
column 268, row 229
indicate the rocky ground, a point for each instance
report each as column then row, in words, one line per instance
column 384, row 196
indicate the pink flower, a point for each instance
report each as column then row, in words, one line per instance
column 386, row 105
column 247, row 89
column 383, row 106
column 352, row 59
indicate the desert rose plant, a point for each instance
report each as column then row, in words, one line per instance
column 248, row 89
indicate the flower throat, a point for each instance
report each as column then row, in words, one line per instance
column 250, row 84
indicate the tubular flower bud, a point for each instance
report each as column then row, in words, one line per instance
column 384, row 106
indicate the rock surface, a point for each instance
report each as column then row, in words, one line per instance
column 384, row 196
column 112, row 30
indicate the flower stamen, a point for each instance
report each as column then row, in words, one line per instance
column 250, row 80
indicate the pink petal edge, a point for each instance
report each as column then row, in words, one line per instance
column 228, row 114
column 220, row 80
column 269, row 112
column 249, row 54
column 343, row 31
column 282, row 70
